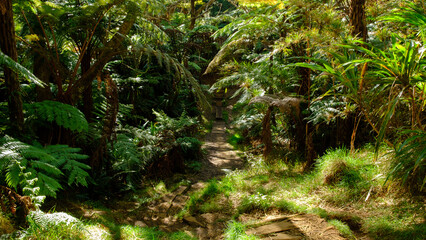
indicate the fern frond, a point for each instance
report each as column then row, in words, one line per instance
column 19, row 69
column 13, row 174
column 49, row 168
column 39, row 170
column 48, row 185
column 180, row 72
column 77, row 173
column 129, row 160
column 62, row 114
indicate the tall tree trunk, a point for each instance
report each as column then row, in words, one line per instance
column 88, row 89
column 8, row 46
column 193, row 17
column 112, row 48
column 43, row 71
column 357, row 19
column 304, row 130
column 266, row 134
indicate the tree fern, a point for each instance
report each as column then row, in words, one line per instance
column 62, row 114
column 172, row 65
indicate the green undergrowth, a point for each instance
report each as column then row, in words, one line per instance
column 236, row 231
column 61, row 225
column 347, row 189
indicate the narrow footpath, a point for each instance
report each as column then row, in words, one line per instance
column 221, row 159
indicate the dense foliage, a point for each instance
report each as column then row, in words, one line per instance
column 99, row 95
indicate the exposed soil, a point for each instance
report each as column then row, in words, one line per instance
column 221, row 159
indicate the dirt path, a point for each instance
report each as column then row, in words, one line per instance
column 221, row 158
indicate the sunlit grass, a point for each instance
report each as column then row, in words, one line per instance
column 345, row 188
column 236, row 231
column 138, row 233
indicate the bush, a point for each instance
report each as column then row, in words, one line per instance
column 191, row 147
column 53, row 226
column 409, row 164
column 339, row 167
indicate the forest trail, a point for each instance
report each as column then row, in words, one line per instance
column 221, row 156
column 221, row 159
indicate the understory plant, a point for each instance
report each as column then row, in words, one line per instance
column 39, row 171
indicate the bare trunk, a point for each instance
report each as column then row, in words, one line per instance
column 43, row 72
column 357, row 19
column 266, row 133
column 8, row 47
column 193, row 17
column 88, row 89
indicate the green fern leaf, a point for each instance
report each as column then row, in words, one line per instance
column 48, row 168
column 13, row 174
column 62, row 114
column 48, row 186
column 18, row 68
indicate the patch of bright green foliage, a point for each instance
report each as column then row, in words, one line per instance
column 340, row 179
column 236, row 231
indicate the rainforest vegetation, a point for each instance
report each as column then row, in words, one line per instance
column 109, row 110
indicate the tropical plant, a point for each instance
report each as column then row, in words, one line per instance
column 61, row 114
column 41, row 171
column 410, row 160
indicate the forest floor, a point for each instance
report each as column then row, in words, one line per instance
column 181, row 208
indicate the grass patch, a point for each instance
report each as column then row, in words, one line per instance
column 343, row 228
column 198, row 199
column 236, row 231
column 253, row 202
column 138, row 233
column 391, row 227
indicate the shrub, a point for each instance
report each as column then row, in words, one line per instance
column 409, row 164
column 191, row 147
column 339, row 167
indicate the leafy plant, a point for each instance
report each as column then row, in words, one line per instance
column 63, row 115
column 191, row 147
column 18, row 68
column 38, row 170
column 410, row 160
column 53, row 226
column 129, row 159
